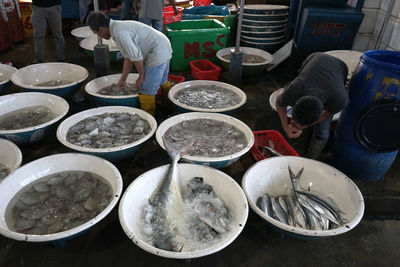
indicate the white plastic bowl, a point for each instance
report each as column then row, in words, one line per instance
column 139, row 191
column 271, row 176
column 112, row 154
column 184, row 85
column 259, row 23
column 12, row 102
column 97, row 84
column 28, row 77
column 248, row 68
column 49, row 165
column 265, row 41
column 272, row 103
column 350, row 57
column 217, row 162
column 6, row 72
column 10, row 155
column 270, row 47
column 265, row 9
column 82, row 33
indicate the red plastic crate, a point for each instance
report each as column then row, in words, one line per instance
column 202, row 2
column 169, row 15
column 204, row 69
column 173, row 80
column 262, row 139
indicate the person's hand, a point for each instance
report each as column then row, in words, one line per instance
column 121, row 85
column 139, row 82
column 292, row 132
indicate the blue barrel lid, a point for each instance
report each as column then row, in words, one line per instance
column 378, row 127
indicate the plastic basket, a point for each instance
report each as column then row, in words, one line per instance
column 202, row 2
column 204, row 69
column 169, row 15
column 173, row 80
column 261, row 138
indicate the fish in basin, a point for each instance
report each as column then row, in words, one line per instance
column 304, row 208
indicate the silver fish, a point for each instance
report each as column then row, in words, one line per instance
column 299, row 215
column 264, row 203
column 278, row 211
column 273, row 151
column 320, row 209
column 325, row 223
column 295, row 179
column 307, row 206
column 312, row 220
column 167, row 201
column 327, row 202
column 282, row 202
column 215, row 216
column 290, row 209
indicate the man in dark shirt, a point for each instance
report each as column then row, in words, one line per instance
column 47, row 13
column 317, row 93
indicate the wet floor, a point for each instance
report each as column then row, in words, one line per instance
column 374, row 242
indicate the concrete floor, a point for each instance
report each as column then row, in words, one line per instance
column 374, row 242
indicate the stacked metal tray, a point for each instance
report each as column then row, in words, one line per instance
column 264, row 26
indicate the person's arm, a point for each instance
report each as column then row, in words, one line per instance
column 127, row 68
column 325, row 114
column 290, row 131
column 140, row 69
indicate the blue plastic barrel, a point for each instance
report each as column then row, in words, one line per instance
column 376, row 80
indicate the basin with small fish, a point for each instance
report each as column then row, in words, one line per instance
column 6, row 72
column 89, row 43
column 30, row 117
column 115, row 153
column 61, row 79
column 207, row 96
column 251, row 64
column 35, row 170
column 137, row 195
column 10, row 158
column 82, row 33
column 216, row 162
column 95, row 87
column 271, row 176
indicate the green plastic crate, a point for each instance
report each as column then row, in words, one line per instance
column 195, row 39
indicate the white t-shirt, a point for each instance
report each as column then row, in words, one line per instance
column 137, row 41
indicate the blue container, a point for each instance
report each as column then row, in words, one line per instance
column 63, row 92
column 32, row 136
column 116, row 156
column 4, row 86
column 215, row 164
column 127, row 101
column 376, row 80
